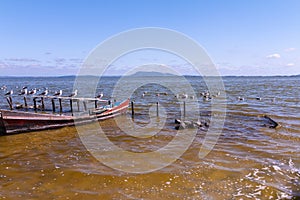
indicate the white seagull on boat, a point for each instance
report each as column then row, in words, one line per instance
column 45, row 93
column 33, row 91
column 24, row 91
column 74, row 94
column 9, row 93
column 100, row 95
column 58, row 93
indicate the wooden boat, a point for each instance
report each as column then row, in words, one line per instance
column 12, row 122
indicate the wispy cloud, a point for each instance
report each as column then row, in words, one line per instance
column 275, row 56
column 227, row 66
column 290, row 49
column 76, row 59
column 60, row 60
column 2, row 64
column 30, row 66
column 20, row 60
column 290, row 64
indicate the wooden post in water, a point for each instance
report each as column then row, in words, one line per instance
column 53, row 105
column 60, row 106
column 84, row 105
column 184, row 109
column 114, row 102
column 25, row 102
column 157, row 111
column 132, row 109
column 2, row 126
column 71, row 106
column 78, row 107
column 43, row 103
column 96, row 103
column 34, row 103
column 9, row 101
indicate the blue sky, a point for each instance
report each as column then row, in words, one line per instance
column 47, row 38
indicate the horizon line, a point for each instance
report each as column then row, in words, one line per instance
column 63, row 76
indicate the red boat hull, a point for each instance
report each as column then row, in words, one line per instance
column 12, row 122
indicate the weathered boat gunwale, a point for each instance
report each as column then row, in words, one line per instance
column 13, row 122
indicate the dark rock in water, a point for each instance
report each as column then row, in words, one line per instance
column 189, row 124
column 198, row 124
column 295, row 189
column 206, row 124
column 180, row 126
column 274, row 124
column 296, row 195
column 177, row 121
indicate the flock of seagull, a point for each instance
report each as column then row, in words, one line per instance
column 25, row 91
column 45, row 92
column 207, row 96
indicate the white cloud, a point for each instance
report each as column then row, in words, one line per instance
column 290, row 49
column 275, row 55
column 290, row 64
column 2, row 64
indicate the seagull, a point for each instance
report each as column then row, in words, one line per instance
column 217, row 94
column 144, row 93
column 74, row 94
column 241, row 98
column 58, row 93
column 24, row 91
column 9, row 93
column 206, row 98
column 100, row 95
column 33, row 91
column 184, row 96
column 45, row 93
column 3, row 87
column 206, row 94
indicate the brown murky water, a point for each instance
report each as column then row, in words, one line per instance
column 249, row 161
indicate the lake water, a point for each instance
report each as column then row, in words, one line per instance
column 249, row 161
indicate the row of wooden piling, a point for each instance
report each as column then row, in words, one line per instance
column 77, row 100
column 157, row 109
column 42, row 100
